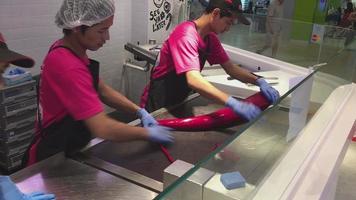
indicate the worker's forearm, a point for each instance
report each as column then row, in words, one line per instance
column 206, row 89
column 241, row 74
column 211, row 92
column 107, row 128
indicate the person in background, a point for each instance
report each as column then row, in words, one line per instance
column 71, row 93
column 352, row 16
column 345, row 22
column 273, row 27
column 349, row 24
column 249, row 9
column 351, row 32
column 8, row 190
column 338, row 16
column 183, row 55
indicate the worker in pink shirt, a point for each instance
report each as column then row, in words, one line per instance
column 184, row 53
column 71, row 93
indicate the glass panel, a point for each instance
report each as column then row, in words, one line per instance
column 262, row 144
column 256, row 149
column 299, row 43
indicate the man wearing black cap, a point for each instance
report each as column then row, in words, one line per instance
column 183, row 55
column 7, row 56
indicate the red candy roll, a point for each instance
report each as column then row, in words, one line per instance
column 222, row 118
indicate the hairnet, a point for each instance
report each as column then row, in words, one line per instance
column 74, row 13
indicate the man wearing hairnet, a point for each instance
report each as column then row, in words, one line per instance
column 71, row 93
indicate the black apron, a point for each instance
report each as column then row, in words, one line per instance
column 171, row 89
column 66, row 135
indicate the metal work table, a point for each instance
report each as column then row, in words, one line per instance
column 143, row 163
column 69, row 179
column 147, row 158
column 133, row 170
column 109, row 170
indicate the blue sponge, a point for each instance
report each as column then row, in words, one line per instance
column 232, row 180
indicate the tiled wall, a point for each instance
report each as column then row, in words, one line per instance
column 28, row 26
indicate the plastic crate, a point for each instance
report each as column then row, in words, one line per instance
column 18, row 93
column 21, row 119
column 16, row 147
column 11, row 162
column 16, row 108
column 18, row 133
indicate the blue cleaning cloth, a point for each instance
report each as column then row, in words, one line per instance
column 16, row 71
column 13, row 76
column 232, row 180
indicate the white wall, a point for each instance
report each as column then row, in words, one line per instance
column 28, row 26
column 139, row 15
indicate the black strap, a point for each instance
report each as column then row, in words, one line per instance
column 39, row 116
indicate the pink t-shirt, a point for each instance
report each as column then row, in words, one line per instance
column 183, row 51
column 184, row 48
column 67, row 87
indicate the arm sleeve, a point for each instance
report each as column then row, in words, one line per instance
column 185, row 54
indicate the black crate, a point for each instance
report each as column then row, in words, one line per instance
column 16, row 147
column 17, row 108
column 10, row 163
column 18, row 133
column 18, row 93
column 21, row 119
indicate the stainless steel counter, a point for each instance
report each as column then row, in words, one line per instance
column 134, row 170
column 69, row 179
column 147, row 159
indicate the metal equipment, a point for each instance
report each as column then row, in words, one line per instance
column 141, row 53
column 18, row 110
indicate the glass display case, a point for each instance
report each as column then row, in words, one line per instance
column 276, row 145
column 293, row 149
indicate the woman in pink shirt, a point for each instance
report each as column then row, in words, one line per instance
column 184, row 54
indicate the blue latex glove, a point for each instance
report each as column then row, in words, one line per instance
column 9, row 191
column 146, row 119
column 246, row 110
column 267, row 90
column 160, row 134
column 39, row 196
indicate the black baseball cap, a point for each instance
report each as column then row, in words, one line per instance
column 6, row 55
column 233, row 6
